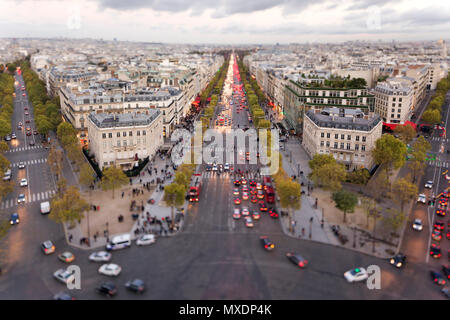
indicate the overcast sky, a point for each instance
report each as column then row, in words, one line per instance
column 227, row 21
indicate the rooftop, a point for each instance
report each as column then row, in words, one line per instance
column 348, row 119
column 108, row 120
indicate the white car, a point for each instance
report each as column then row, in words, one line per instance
column 356, row 274
column 110, row 269
column 226, row 167
column 245, row 211
column 429, row 184
column 145, row 239
column 23, row 182
column 248, row 222
column 214, row 168
column 21, row 165
column 64, row 276
column 422, row 198
column 236, row 213
column 100, row 256
column 417, row 225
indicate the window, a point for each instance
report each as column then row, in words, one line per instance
column 124, row 143
column 130, row 134
column 138, row 133
column 124, row 134
column 328, row 143
column 143, row 132
column 118, row 143
column 110, row 135
column 335, row 145
column 322, row 135
column 342, row 145
column 342, row 136
column 364, row 139
column 348, row 146
column 321, row 143
column 356, row 147
column 363, row 147
column 349, row 137
column 138, row 141
column 104, row 145
column 400, row 99
column 328, row 135
column 392, row 115
column 336, row 136
column 104, row 135
column 357, row 138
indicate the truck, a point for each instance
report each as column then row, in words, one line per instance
column 45, row 207
column 195, row 188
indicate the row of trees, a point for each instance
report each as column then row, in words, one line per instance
column 433, row 111
column 47, row 111
column 6, row 102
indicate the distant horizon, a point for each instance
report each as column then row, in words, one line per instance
column 229, row 22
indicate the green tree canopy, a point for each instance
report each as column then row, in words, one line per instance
column 345, row 201
column 112, row 179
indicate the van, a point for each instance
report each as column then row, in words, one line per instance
column 45, row 207
column 7, row 175
column 119, row 242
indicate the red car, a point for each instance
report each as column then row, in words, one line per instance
column 253, row 199
column 237, row 201
column 440, row 213
column 262, row 207
column 435, row 251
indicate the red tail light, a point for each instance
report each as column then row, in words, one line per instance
column 301, row 264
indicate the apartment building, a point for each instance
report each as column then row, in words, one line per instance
column 123, row 139
column 420, row 73
column 347, row 134
column 394, row 100
column 59, row 77
column 437, row 72
column 300, row 97
column 77, row 103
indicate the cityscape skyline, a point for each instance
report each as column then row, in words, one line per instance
column 229, row 22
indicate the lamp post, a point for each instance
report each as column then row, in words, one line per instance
column 354, row 236
column 310, row 227
column 322, row 221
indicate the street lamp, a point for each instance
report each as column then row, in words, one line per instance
column 310, row 227
column 354, row 236
column 322, row 221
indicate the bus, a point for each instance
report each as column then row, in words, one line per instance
column 267, row 182
column 270, row 195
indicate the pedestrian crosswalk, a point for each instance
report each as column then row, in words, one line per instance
column 440, row 139
column 29, row 162
column 24, row 148
column 228, row 175
column 442, row 164
column 34, row 197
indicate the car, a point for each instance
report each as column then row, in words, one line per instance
column 23, row 182
column 66, row 257
column 237, row 183
column 21, row 198
column 237, row 201
column 398, row 260
column 435, row 251
column 417, row 225
column 253, row 190
column 262, row 206
column 14, row 219
column 100, row 256
column 445, row 193
column 248, row 222
column 429, row 184
column 356, row 274
column 13, row 136
column 208, row 167
column 214, row 167
column 35, row 132
column 422, row 198
column 243, row 181
column 439, row 225
column 245, row 196
column 437, row 278
column 235, row 192
column 19, row 127
column 273, row 213
column 266, row 243
column 443, row 202
column 21, row 165
column 110, row 269
column 245, row 211
column 440, row 212
column 135, row 285
column 25, row 108
column 436, row 235
column 245, row 189
column 63, row 296
column 64, row 276
column 28, row 133
column 252, row 183
column 28, row 129
column 146, row 239
column 446, row 271
column 47, row 247
column 108, row 289
column 253, row 199
column 27, row 113
column 8, row 138
column 259, row 186
column 256, row 215
column 23, row 94
column 446, row 292
column 236, row 214
column 226, row 167
column 297, row 259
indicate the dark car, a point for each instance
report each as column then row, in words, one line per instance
column 266, row 243
column 136, row 285
column 14, row 218
column 108, row 289
column 63, row 296
column 297, row 259
column 273, row 213
column 440, row 212
column 252, row 183
column 437, row 278
column 32, row 143
column 262, row 206
column 446, row 271
column 237, row 183
column 398, row 260
column 435, row 251
column 439, row 225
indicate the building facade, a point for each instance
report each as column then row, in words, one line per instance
column 123, row 139
column 347, row 134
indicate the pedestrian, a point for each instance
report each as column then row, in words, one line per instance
column 303, row 231
column 95, row 237
column 123, row 193
column 70, row 237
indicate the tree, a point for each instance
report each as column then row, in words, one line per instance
column 3, row 147
column 55, row 161
column 379, row 186
column 74, row 153
column 4, row 164
column 420, row 148
column 368, row 205
column 360, row 176
column 290, row 197
column 320, row 159
column 5, row 128
column 432, row 116
column 329, row 176
column 69, row 207
column 394, row 219
column 403, row 191
column 112, row 179
column 66, row 133
column 406, row 132
column 174, row 196
column 181, row 178
column 345, row 201
column 5, row 188
column 390, row 152
column 87, row 178
column 417, row 168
